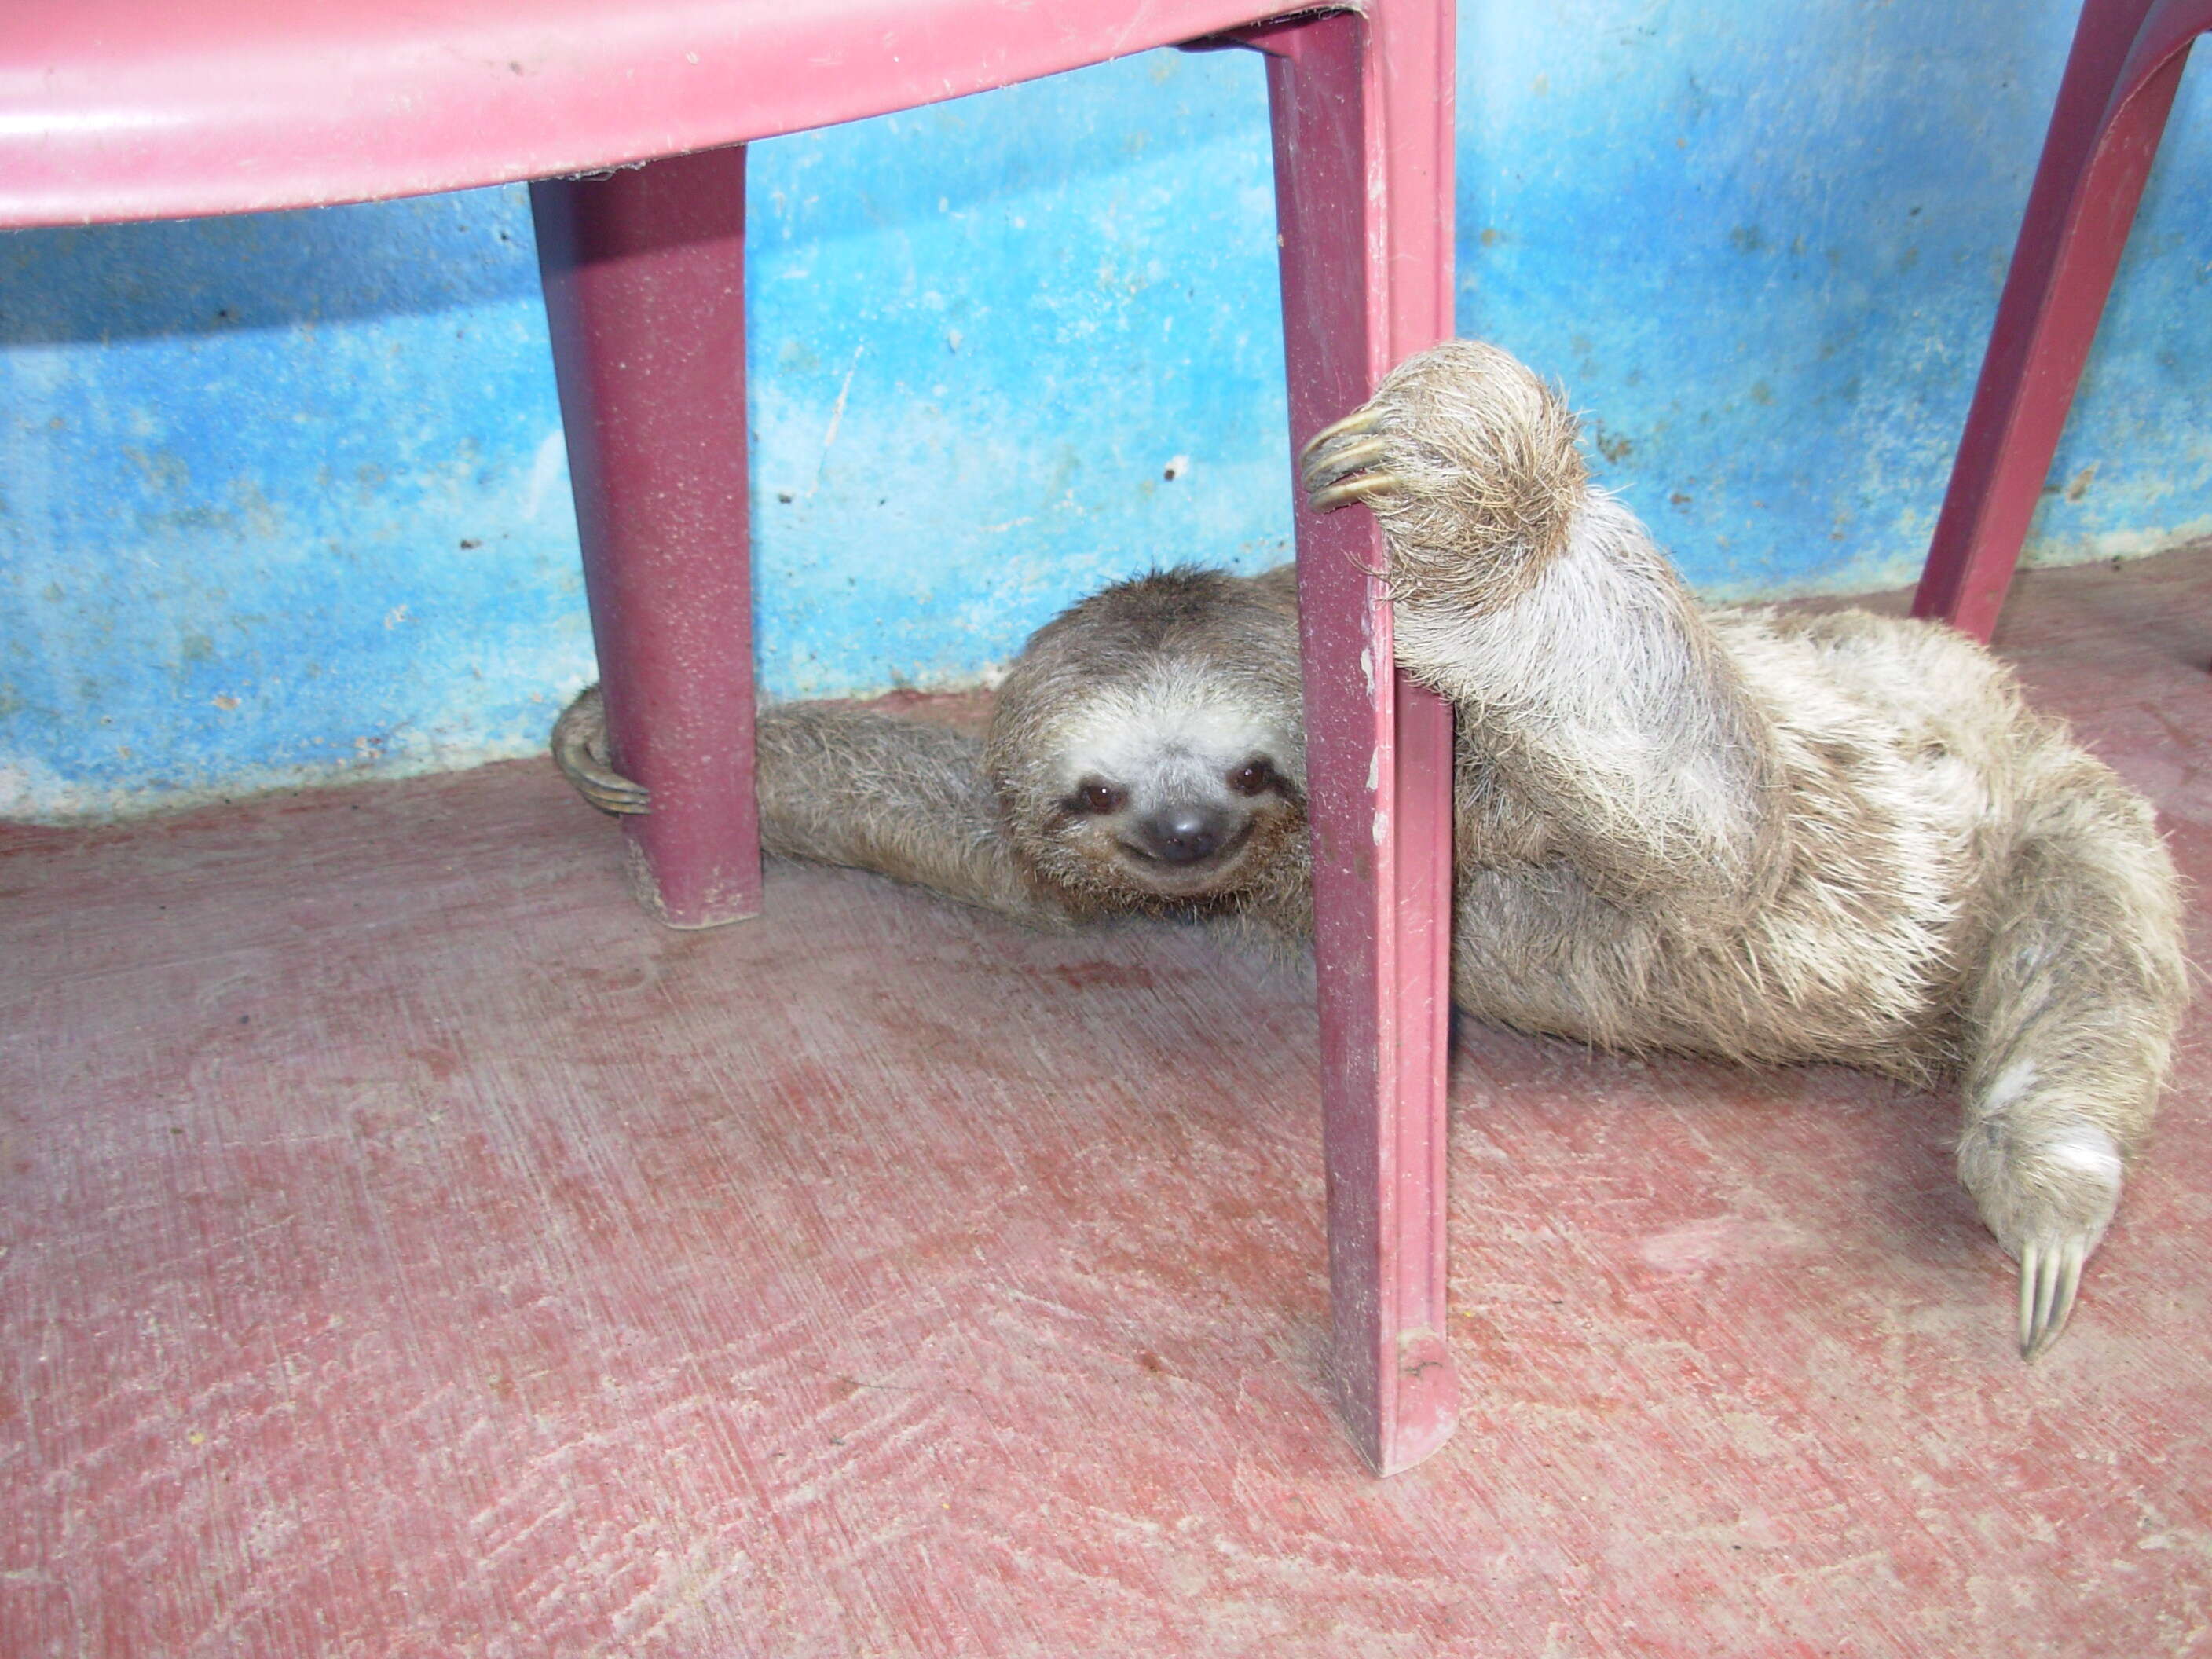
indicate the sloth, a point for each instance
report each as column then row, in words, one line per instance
column 1767, row 837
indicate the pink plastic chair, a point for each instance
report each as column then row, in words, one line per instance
column 144, row 109
column 2120, row 81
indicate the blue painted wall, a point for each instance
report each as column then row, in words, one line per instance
column 283, row 498
column 1762, row 246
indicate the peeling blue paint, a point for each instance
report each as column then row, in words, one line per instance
column 283, row 498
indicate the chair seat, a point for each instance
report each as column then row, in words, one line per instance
column 115, row 110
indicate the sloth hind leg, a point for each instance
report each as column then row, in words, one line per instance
column 2070, row 1021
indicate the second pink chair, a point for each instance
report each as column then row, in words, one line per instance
column 2119, row 85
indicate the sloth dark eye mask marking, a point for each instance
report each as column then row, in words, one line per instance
column 1256, row 777
column 1096, row 798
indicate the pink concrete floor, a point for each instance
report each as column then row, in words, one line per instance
column 411, row 1250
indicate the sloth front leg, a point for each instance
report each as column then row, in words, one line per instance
column 1569, row 648
column 903, row 798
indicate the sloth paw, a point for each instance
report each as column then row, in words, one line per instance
column 579, row 750
column 2048, row 1202
column 1469, row 461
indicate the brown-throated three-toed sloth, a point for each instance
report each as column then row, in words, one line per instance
column 1766, row 837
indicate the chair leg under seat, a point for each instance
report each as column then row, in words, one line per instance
column 644, row 275
column 1363, row 120
column 2119, row 85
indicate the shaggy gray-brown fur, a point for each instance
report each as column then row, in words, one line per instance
column 1766, row 837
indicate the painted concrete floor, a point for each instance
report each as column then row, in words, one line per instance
column 411, row 1251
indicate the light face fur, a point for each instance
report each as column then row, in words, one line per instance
column 1147, row 751
column 1766, row 837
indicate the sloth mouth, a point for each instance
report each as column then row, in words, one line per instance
column 1187, row 873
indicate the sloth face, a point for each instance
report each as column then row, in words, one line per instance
column 1147, row 748
column 1171, row 789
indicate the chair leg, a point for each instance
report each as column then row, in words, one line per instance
column 1363, row 133
column 644, row 275
column 2111, row 109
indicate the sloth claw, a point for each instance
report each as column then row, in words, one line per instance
column 1339, row 459
column 1329, row 466
column 1358, row 488
column 2049, row 1274
column 610, row 792
column 579, row 750
column 621, row 796
column 1364, row 419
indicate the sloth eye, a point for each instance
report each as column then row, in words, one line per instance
column 1255, row 777
column 1096, row 797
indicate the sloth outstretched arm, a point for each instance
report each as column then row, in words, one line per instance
column 1617, row 733
column 904, row 798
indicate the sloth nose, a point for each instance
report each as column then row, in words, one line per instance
column 1184, row 834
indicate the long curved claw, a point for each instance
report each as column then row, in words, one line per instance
column 580, row 750
column 1357, row 487
column 1330, row 465
column 600, row 784
column 2050, row 1275
column 610, row 792
column 1362, row 419
column 1337, row 460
